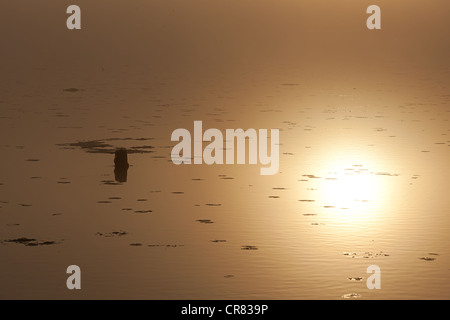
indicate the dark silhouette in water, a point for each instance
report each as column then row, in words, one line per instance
column 121, row 165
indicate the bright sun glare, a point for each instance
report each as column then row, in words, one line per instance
column 351, row 191
column 344, row 189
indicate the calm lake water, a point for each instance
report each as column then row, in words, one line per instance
column 363, row 177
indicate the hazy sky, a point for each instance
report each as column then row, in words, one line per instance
column 202, row 40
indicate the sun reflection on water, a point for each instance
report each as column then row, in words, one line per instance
column 352, row 193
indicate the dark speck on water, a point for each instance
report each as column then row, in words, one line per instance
column 143, row 211
column 71, row 90
column 427, row 259
column 249, row 248
column 112, row 234
column 351, row 296
column 355, row 278
column 204, row 221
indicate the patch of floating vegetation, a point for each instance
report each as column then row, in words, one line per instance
column 274, row 197
column 228, row 276
column 72, row 90
column 207, row 221
column 427, row 259
column 104, row 201
column 177, row 192
column 386, row 174
column 136, row 244
column 111, row 234
column 213, row 204
column 32, row 160
column 216, row 241
column 142, row 211
column 351, row 296
column 278, row 188
column 249, row 247
column 355, row 278
column 104, row 145
column 311, row 176
column 30, row 242
column 366, row 255
column 306, row 200
column 166, row 245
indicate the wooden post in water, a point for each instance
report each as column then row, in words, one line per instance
column 121, row 165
